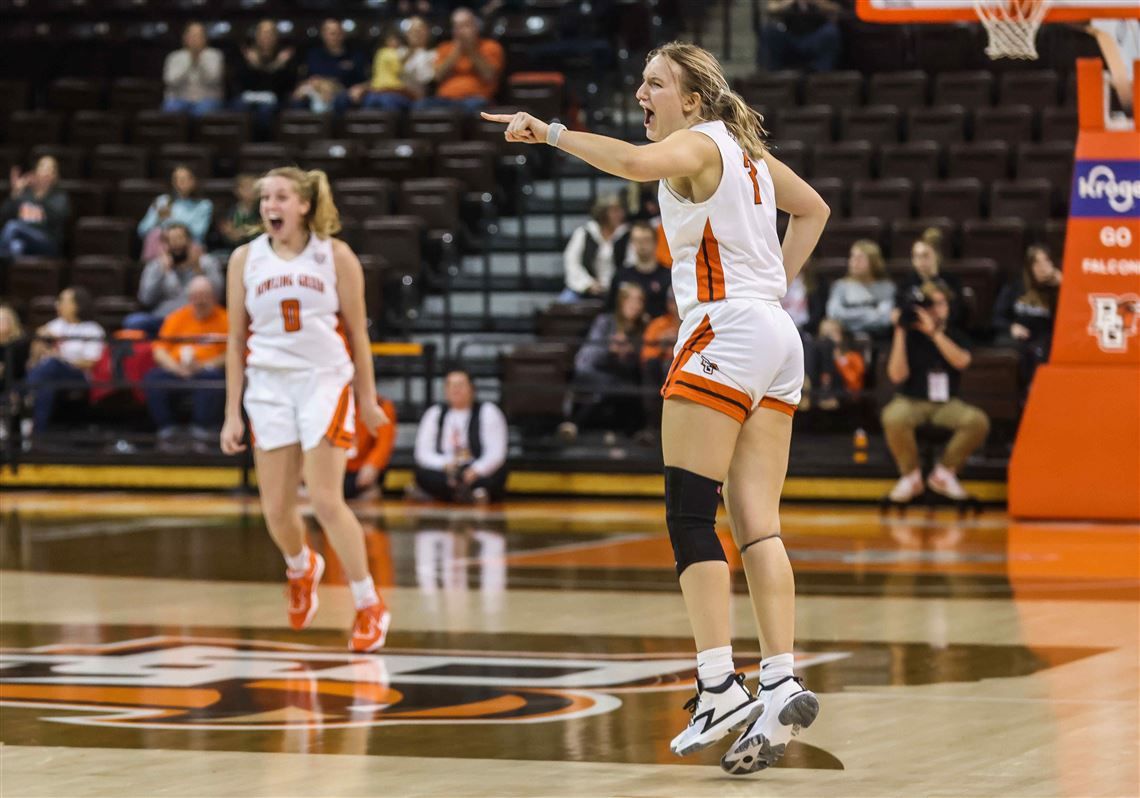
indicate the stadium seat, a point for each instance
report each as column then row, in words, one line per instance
column 101, row 274
column 41, row 310
column 793, row 154
column 810, row 123
column 943, row 48
column 1036, row 88
column 136, row 94
column 87, row 197
column 199, row 157
column 992, row 383
column 153, row 129
column 979, row 278
column 105, row 235
column 472, row 163
column 1010, row 124
column 296, row 128
column 259, row 157
column 75, row 94
column 534, row 382
column 914, row 160
column 958, row 199
column 842, row 233
column 373, row 125
column 399, row 159
column 942, row 123
column 882, row 48
column 71, row 160
column 335, row 157
column 878, row 123
column 1059, row 124
column 891, row 198
column 847, row 160
column 28, row 129
column 900, row 89
column 115, row 162
column 904, row 232
column 219, row 190
column 1054, row 237
column 399, row 239
column 1022, row 199
column 437, row 125
column 1002, row 239
column 92, row 128
column 226, row 131
column 435, row 200
column 540, row 93
column 32, row 277
column 771, row 89
column 971, row 89
column 134, row 196
column 839, row 89
column 361, row 198
column 1052, row 161
column 13, row 96
column 834, row 193
column 111, row 310
column 566, row 322
column 985, row 160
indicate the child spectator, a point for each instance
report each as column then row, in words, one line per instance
column 34, row 216
column 1026, row 309
column 194, row 76
column 65, row 349
column 182, row 205
column 863, row 300
column 165, row 282
column 594, row 250
column 387, row 91
column 191, row 348
column 369, row 462
column 834, row 369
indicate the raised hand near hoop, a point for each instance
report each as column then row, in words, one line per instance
column 521, row 127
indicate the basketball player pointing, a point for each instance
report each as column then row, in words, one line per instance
column 735, row 379
column 287, row 292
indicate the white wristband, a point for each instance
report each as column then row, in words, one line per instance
column 553, row 131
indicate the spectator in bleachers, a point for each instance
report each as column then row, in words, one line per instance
column 66, row 348
column 180, row 360
column 863, row 300
column 334, row 74
column 34, row 215
column 365, row 469
column 403, row 69
column 195, row 75
column 1026, row 309
column 181, row 206
column 461, row 446
column 467, row 67
column 14, row 349
column 265, row 76
column 797, row 302
column 928, row 356
column 609, row 358
column 643, row 269
column 656, row 358
column 165, row 282
column 833, row 369
column 800, row 34
column 926, row 259
column 236, row 227
column 594, row 250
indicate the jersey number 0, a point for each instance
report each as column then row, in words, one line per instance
column 291, row 314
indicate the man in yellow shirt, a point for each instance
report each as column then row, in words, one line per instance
column 189, row 354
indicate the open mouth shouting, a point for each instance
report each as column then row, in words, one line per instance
column 649, row 116
column 275, row 222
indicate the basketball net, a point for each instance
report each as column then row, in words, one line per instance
column 1012, row 26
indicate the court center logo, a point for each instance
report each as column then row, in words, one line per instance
column 1114, row 320
column 241, row 685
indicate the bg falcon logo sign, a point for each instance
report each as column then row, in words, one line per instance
column 1114, row 320
column 242, row 685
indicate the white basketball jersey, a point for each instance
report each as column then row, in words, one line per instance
column 725, row 247
column 293, row 307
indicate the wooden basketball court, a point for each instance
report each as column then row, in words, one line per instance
column 542, row 649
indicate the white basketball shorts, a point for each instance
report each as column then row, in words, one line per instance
column 735, row 355
column 288, row 406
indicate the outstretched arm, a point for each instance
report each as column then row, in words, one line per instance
column 683, row 154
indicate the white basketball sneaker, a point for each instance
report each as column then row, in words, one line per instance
column 717, row 712
column 788, row 707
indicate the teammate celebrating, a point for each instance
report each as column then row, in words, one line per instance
column 736, row 377
column 288, row 291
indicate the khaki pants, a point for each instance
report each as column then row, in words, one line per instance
column 903, row 414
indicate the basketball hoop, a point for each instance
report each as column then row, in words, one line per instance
column 1012, row 26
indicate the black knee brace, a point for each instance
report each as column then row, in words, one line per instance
column 690, row 513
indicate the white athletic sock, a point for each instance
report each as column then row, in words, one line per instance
column 714, row 665
column 364, row 593
column 773, row 669
column 298, row 563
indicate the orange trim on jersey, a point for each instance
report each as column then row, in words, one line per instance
column 336, row 434
column 778, row 405
column 710, row 271
column 715, row 395
column 701, row 337
column 340, row 330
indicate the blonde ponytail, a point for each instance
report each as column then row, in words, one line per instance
column 702, row 74
column 313, row 187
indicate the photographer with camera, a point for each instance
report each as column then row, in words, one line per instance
column 927, row 358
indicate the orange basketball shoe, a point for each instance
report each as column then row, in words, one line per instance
column 302, row 591
column 371, row 628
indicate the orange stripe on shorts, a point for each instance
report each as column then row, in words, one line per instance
column 336, row 434
column 715, row 395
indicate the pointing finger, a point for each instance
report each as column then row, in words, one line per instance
column 496, row 117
